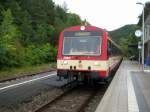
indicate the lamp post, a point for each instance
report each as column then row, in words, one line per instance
column 143, row 33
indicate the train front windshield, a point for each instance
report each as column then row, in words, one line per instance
column 82, row 43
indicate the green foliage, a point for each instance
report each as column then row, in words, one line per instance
column 37, row 55
column 26, row 29
column 11, row 72
column 29, row 31
column 73, row 19
column 124, row 36
column 9, row 35
column 123, row 32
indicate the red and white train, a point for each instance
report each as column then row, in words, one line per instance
column 86, row 52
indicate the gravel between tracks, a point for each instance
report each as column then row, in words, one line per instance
column 76, row 100
column 35, row 102
column 92, row 105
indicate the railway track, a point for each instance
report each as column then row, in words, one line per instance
column 24, row 75
column 75, row 100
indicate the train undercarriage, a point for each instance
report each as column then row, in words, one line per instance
column 84, row 77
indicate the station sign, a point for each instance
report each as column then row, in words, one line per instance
column 72, row 34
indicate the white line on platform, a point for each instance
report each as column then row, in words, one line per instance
column 13, row 85
column 146, row 70
column 132, row 101
column 135, row 70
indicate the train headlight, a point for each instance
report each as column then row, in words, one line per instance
column 96, row 63
column 82, row 28
column 65, row 62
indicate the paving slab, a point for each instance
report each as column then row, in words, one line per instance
column 129, row 90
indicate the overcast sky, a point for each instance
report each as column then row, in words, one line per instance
column 108, row 14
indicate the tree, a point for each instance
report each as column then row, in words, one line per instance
column 65, row 6
column 128, row 51
column 8, row 40
column 61, row 14
column 27, row 30
column 73, row 19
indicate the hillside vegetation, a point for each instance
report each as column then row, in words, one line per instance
column 29, row 31
column 123, row 32
column 124, row 37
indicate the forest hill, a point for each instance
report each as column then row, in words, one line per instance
column 29, row 31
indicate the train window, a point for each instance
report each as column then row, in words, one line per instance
column 89, row 45
column 115, row 50
column 109, row 49
column 112, row 49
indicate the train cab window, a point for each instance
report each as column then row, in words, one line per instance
column 82, row 45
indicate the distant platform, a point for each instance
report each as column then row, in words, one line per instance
column 129, row 91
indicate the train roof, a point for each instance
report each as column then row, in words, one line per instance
column 74, row 28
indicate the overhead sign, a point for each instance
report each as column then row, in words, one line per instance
column 72, row 34
column 138, row 33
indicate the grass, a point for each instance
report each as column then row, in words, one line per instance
column 12, row 72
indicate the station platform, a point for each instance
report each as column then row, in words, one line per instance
column 129, row 90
